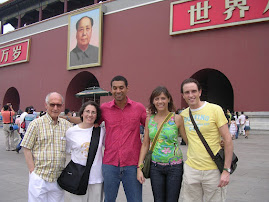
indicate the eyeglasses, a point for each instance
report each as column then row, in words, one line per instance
column 90, row 112
column 53, row 105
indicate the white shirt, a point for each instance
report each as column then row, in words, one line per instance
column 77, row 142
column 21, row 120
column 242, row 118
column 237, row 120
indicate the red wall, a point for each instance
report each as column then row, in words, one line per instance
column 137, row 44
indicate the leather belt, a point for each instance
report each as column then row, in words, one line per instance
column 7, row 123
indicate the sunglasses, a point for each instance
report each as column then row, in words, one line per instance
column 53, row 105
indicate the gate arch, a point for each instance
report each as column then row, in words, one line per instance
column 12, row 96
column 79, row 83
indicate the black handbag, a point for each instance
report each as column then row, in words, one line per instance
column 219, row 159
column 11, row 122
column 75, row 177
column 147, row 160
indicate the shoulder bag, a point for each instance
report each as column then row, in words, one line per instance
column 75, row 177
column 219, row 159
column 147, row 160
column 12, row 126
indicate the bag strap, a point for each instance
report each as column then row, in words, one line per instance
column 92, row 149
column 10, row 119
column 159, row 131
column 201, row 137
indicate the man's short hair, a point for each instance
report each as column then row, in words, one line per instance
column 120, row 78
column 26, row 109
column 6, row 107
column 48, row 96
column 190, row 80
column 81, row 19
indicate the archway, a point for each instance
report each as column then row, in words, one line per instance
column 79, row 83
column 12, row 96
column 216, row 88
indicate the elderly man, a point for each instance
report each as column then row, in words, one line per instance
column 44, row 150
column 84, row 53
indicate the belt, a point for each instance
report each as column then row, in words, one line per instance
column 7, row 123
column 166, row 164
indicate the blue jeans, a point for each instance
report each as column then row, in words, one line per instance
column 112, row 177
column 237, row 132
column 19, row 145
column 166, row 182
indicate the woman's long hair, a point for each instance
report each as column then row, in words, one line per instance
column 156, row 92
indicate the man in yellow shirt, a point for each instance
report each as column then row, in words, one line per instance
column 202, row 180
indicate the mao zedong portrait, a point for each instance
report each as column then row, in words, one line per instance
column 84, row 53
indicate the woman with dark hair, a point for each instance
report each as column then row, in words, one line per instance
column 167, row 160
column 78, row 141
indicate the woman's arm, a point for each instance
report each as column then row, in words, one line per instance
column 180, row 124
column 143, row 152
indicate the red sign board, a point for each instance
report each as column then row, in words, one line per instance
column 15, row 53
column 195, row 15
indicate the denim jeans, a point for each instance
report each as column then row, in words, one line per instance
column 112, row 177
column 237, row 132
column 166, row 182
column 18, row 147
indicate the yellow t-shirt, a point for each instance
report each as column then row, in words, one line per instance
column 209, row 118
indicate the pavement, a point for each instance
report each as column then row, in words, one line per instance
column 249, row 183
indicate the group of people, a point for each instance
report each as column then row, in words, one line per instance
column 48, row 138
column 238, row 125
column 13, row 125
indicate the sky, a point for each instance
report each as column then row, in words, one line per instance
column 7, row 27
column 2, row 1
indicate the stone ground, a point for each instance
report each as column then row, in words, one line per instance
column 249, row 183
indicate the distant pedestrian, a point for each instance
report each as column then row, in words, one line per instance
column 7, row 113
column 22, row 130
column 247, row 127
column 233, row 128
column 242, row 121
column 236, row 116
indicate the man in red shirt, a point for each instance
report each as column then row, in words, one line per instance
column 122, row 118
column 7, row 113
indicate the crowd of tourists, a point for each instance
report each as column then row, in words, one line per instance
column 95, row 175
column 238, row 124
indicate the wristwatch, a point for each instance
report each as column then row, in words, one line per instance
column 228, row 170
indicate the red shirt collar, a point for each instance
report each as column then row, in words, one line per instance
column 113, row 104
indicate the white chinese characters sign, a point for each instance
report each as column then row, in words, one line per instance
column 195, row 15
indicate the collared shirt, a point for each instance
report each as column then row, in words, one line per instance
column 122, row 143
column 79, row 57
column 47, row 142
column 6, row 116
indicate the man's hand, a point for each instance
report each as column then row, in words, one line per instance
column 140, row 176
column 224, row 179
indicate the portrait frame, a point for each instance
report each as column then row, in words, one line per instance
column 73, row 52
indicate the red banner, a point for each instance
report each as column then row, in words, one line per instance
column 15, row 53
column 195, row 15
